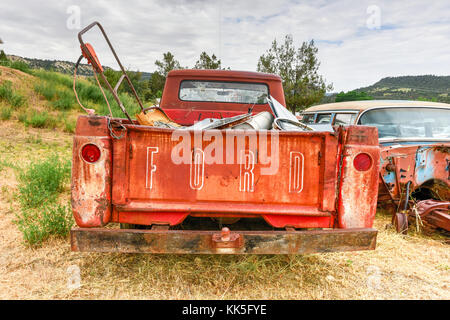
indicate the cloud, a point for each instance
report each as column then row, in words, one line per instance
column 412, row 37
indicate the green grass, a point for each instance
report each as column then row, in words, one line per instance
column 40, row 184
column 42, row 181
column 57, row 89
column 39, row 120
column 64, row 101
column 39, row 225
column 47, row 90
column 5, row 113
column 69, row 125
column 18, row 65
column 9, row 95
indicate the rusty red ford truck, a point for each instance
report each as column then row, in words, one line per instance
column 217, row 170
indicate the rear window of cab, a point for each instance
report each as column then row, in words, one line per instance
column 223, row 91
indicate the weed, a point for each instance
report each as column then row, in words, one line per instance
column 69, row 125
column 64, row 100
column 50, row 220
column 40, row 120
column 5, row 113
column 8, row 94
column 22, row 118
column 42, row 181
column 34, row 139
column 47, row 90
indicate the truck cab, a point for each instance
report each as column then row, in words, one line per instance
column 193, row 95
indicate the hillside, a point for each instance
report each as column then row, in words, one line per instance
column 426, row 87
column 61, row 66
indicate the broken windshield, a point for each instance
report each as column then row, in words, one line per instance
column 216, row 91
column 417, row 122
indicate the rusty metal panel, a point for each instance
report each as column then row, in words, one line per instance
column 420, row 164
column 213, row 242
column 91, row 182
column 152, row 182
column 358, row 189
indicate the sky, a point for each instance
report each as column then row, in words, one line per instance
column 359, row 42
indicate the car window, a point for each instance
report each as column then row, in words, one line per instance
column 323, row 118
column 414, row 122
column 221, row 91
column 344, row 118
column 308, row 118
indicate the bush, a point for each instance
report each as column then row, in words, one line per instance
column 64, row 101
column 5, row 113
column 47, row 90
column 39, row 120
column 8, row 94
column 69, row 125
column 91, row 93
column 42, row 181
column 50, row 220
column 20, row 65
column 23, row 118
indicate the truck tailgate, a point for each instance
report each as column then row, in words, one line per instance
column 231, row 176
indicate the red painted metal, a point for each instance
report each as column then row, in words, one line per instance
column 91, row 182
column 171, row 198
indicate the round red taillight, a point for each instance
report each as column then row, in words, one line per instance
column 90, row 153
column 362, row 162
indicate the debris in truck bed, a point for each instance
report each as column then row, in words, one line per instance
column 155, row 116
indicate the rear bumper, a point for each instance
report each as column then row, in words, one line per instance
column 212, row 242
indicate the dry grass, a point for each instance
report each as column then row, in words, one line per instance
column 407, row 267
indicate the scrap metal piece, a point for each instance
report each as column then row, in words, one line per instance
column 435, row 213
column 211, row 123
column 156, row 117
column 289, row 125
column 281, row 111
column 286, row 120
column 400, row 222
column 261, row 121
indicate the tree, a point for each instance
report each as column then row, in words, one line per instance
column 113, row 77
column 155, row 85
column 167, row 64
column 352, row 96
column 298, row 69
column 3, row 56
column 207, row 62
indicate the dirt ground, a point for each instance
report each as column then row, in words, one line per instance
column 402, row 267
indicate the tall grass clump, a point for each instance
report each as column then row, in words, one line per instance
column 42, row 181
column 39, row 186
column 39, row 225
column 54, row 77
column 64, row 101
column 47, row 90
column 5, row 113
column 9, row 95
column 39, row 120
